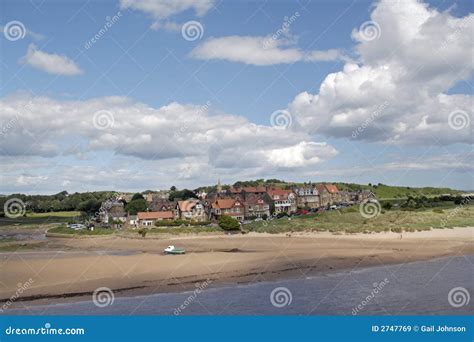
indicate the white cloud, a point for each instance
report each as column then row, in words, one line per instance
column 259, row 50
column 187, row 134
column 162, row 9
column 417, row 55
column 50, row 63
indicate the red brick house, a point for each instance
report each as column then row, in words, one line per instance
column 228, row 206
column 256, row 207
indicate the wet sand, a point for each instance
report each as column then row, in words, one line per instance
column 71, row 269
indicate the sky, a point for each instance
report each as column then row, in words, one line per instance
column 130, row 95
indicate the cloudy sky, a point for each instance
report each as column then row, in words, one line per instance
column 144, row 94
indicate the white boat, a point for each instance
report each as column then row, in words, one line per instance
column 173, row 250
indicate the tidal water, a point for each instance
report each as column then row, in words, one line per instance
column 437, row 287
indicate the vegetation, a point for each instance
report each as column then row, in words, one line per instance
column 228, row 223
column 181, row 194
column 87, row 201
column 176, row 223
column 350, row 220
column 184, row 230
column 136, row 205
column 55, row 214
column 63, row 229
column 41, row 218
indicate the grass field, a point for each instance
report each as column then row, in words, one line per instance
column 54, row 214
column 350, row 220
column 39, row 218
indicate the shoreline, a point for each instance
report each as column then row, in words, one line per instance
column 135, row 267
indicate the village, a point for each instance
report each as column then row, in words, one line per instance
column 244, row 204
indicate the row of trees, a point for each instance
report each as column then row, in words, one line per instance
column 86, row 201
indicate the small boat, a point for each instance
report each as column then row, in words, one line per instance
column 174, row 250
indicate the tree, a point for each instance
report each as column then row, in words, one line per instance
column 137, row 196
column 228, row 223
column 182, row 194
column 173, row 188
column 135, row 206
column 89, row 206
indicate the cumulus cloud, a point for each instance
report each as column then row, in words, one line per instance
column 162, row 9
column 50, row 63
column 191, row 134
column 398, row 90
column 259, row 50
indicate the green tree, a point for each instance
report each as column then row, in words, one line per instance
column 182, row 194
column 228, row 223
column 135, row 206
column 89, row 206
column 137, row 196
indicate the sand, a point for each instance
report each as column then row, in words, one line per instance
column 71, row 269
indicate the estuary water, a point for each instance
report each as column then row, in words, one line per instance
column 437, row 287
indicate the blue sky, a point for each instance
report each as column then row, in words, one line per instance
column 144, row 58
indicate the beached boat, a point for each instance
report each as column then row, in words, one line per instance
column 174, row 250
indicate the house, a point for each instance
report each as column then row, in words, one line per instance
column 191, row 209
column 307, row 197
column 228, row 206
column 161, row 204
column 112, row 212
column 363, row 195
column 148, row 218
column 133, row 220
column 283, row 201
column 333, row 193
column 256, row 207
column 325, row 199
column 245, row 191
column 346, row 197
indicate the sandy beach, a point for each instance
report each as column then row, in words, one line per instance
column 71, row 269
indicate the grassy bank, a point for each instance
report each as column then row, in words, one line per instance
column 350, row 220
column 83, row 232
column 39, row 218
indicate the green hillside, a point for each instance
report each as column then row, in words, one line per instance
column 381, row 191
